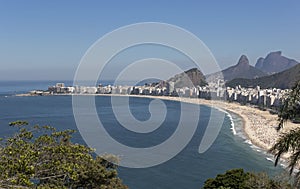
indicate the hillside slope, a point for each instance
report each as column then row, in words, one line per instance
column 275, row 63
column 189, row 78
column 241, row 70
column 282, row 80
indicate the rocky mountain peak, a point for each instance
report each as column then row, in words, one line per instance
column 274, row 63
column 259, row 63
column 189, row 78
column 276, row 53
column 243, row 61
column 241, row 70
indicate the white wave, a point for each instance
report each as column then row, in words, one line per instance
column 232, row 123
column 231, row 120
column 248, row 142
column 230, row 117
column 221, row 110
column 270, row 159
column 283, row 165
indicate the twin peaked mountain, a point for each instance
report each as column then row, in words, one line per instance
column 241, row 70
column 274, row 70
column 281, row 72
column 272, row 64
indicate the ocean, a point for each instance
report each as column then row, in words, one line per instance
column 188, row 169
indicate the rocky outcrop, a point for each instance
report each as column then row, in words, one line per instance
column 190, row 78
column 241, row 70
column 259, row 63
column 282, row 80
column 274, row 63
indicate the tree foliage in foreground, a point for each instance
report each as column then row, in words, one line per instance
column 289, row 142
column 238, row 179
column 290, row 110
column 41, row 157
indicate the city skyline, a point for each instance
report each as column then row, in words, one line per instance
column 46, row 40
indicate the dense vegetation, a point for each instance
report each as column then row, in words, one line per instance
column 289, row 142
column 41, row 157
column 238, row 179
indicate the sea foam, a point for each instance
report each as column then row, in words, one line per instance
column 232, row 123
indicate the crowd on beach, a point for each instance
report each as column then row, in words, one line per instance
column 259, row 125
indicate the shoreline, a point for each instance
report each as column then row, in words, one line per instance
column 258, row 126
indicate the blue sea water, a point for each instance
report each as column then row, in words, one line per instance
column 188, row 169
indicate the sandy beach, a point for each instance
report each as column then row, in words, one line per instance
column 259, row 126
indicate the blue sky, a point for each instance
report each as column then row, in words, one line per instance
column 45, row 40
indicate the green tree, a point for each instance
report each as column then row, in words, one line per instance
column 41, row 157
column 290, row 110
column 238, row 179
column 235, row 178
column 263, row 181
column 289, row 142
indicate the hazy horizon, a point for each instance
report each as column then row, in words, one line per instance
column 46, row 40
